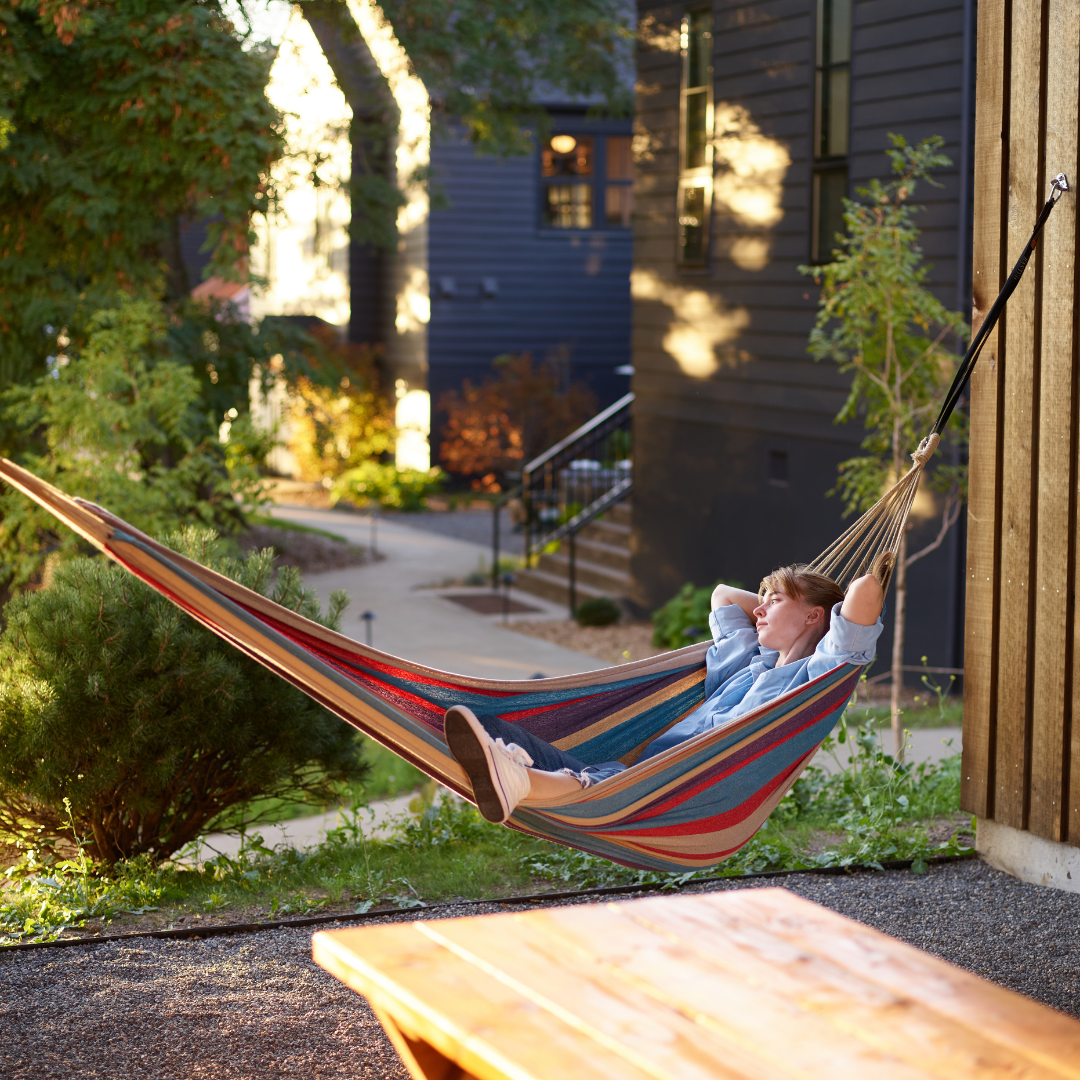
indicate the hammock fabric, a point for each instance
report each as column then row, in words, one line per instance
column 690, row 807
column 687, row 808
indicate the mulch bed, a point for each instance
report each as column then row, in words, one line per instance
column 308, row 552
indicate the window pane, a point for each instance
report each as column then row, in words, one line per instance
column 618, row 205
column 567, row 155
column 697, row 111
column 698, row 49
column 568, row 206
column 620, row 165
column 830, row 190
column 839, row 118
column 692, row 225
column 839, row 31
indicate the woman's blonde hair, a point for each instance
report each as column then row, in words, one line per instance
column 803, row 584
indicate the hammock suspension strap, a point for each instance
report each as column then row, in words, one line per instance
column 871, row 544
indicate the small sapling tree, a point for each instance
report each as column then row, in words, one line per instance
column 150, row 726
column 878, row 320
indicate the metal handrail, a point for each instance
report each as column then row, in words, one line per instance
column 577, row 436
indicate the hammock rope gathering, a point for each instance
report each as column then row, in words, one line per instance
column 687, row 808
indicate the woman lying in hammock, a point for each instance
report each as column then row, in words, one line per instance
column 799, row 626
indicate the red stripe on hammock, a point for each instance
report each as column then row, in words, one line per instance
column 678, row 798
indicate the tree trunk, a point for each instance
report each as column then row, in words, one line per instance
column 898, row 647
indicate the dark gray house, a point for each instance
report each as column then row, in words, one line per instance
column 753, row 121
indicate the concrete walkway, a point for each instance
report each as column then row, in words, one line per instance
column 416, row 621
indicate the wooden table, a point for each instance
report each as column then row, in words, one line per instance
column 755, row 984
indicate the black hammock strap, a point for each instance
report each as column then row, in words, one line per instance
column 1058, row 186
column 872, row 544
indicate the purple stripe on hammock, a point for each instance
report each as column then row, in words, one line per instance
column 559, row 722
column 774, row 736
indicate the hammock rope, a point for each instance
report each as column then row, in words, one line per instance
column 872, row 543
column 687, row 808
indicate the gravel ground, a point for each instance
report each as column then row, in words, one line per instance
column 255, row 1006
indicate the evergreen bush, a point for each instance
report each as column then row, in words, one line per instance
column 599, row 611
column 684, row 619
column 153, row 728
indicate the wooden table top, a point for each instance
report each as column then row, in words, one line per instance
column 755, row 984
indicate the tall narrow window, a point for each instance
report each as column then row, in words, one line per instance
column 832, row 125
column 695, row 140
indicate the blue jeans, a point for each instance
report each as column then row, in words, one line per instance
column 546, row 757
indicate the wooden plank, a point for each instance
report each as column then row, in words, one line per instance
column 747, row 984
column 1050, row 712
column 477, row 1016
column 709, row 972
column 988, row 272
column 676, row 1008
column 1019, row 433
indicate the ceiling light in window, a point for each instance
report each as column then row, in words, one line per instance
column 563, row 144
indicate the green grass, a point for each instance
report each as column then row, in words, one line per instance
column 871, row 811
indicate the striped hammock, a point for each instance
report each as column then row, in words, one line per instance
column 689, row 807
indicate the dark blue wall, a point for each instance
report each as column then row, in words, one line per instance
column 555, row 288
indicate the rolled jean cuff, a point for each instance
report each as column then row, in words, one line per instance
column 592, row 775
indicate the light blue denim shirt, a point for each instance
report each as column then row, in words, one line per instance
column 741, row 675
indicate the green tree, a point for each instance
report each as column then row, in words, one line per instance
column 122, row 118
column 121, row 423
column 153, row 728
column 878, row 321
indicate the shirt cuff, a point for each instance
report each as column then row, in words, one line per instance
column 855, row 637
column 727, row 619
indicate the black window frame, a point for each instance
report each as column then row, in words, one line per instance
column 830, row 177
column 598, row 183
column 696, row 176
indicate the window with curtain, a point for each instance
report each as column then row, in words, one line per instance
column 832, row 126
column 695, row 139
column 587, row 182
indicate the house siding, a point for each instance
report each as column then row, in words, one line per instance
column 557, row 291
column 703, row 506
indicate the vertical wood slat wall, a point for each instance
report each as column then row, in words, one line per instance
column 1021, row 764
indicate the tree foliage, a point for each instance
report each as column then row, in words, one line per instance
column 149, row 724
column 878, row 321
column 124, row 117
column 120, row 423
column 515, row 414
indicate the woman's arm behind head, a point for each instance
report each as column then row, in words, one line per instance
column 863, row 600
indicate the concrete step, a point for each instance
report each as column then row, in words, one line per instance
column 619, row 514
column 607, row 580
column 552, row 587
column 615, row 556
column 607, row 532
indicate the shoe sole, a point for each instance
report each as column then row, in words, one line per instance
column 465, row 736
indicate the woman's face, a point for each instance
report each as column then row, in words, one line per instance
column 782, row 620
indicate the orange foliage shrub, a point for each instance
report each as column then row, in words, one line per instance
column 513, row 416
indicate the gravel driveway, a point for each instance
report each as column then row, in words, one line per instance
column 255, row 1006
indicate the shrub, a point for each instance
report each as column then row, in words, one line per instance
column 599, row 611
column 387, row 485
column 511, row 417
column 152, row 727
column 684, row 619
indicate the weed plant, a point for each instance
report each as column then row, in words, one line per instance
column 871, row 810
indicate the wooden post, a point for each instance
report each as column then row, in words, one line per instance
column 1021, row 745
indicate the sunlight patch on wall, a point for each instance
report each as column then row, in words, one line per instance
column 749, row 185
column 413, row 302
column 700, row 325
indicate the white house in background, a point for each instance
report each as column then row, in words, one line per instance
column 302, row 251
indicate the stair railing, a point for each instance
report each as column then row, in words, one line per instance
column 571, row 484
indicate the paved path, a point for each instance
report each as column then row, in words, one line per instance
column 419, row 623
